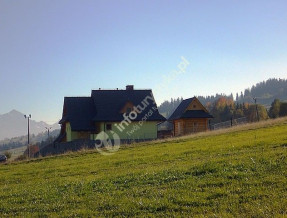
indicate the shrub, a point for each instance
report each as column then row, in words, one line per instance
column 8, row 154
column 21, row 157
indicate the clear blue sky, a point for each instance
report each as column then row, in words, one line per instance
column 56, row 48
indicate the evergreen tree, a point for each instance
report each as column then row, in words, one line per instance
column 275, row 109
column 283, row 109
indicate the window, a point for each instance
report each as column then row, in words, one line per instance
column 194, row 106
column 179, row 128
column 108, row 126
column 129, row 110
column 195, row 127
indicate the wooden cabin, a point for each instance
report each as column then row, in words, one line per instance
column 190, row 117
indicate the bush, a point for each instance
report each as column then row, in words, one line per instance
column 21, row 157
column 8, row 154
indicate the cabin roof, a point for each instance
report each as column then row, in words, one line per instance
column 181, row 112
column 196, row 114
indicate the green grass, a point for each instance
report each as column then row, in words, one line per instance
column 238, row 172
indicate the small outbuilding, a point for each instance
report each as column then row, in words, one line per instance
column 190, row 117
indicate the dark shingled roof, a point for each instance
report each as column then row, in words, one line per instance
column 79, row 111
column 105, row 105
column 181, row 113
column 109, row 103
column 180, row 109
column 196, row 114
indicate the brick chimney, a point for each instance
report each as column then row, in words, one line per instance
column 130, row 87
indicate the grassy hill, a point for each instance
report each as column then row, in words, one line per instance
column 238, row 172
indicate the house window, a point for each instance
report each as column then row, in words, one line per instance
column 108, row 126
column 194, row 106
column 129, row 110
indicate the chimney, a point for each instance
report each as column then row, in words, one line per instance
column 130, row 87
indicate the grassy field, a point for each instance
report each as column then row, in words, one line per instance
column 237, row 172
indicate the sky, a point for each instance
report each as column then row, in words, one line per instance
column 50, row 49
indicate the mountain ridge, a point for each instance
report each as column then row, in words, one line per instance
column 14, row 124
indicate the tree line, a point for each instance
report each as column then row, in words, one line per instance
column 278, row 109
column 270, row 95
column 265, row 92
column 16, row 142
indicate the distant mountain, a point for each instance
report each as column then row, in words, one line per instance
column 40, row 139
column 265, row 92
column 13, row 124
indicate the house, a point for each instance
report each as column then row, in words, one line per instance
column 131, row 114
column 190, row 117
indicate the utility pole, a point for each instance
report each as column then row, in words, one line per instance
column 257, row 114
column 48, row 129
column 28, row 148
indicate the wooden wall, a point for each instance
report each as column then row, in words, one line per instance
column 189, row 126
column 195, row 105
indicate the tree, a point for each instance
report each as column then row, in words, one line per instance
column 275, row 109
column 283, row 110
column 223, row 109
column 241, row 96
column 238, row 113
column 247, row 93
column 251, row 113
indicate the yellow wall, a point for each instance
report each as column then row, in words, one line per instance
column 148, row 130
column 71, row 135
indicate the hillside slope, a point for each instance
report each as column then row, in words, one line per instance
column 241, row 172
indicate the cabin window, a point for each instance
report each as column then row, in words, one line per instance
column 109, row 126
column 195, row 126
column 178, row 127
column 194, row 106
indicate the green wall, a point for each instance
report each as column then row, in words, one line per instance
column 148, row 130
column 71, row 135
